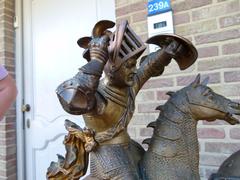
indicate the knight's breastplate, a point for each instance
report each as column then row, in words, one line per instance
column 110, row 117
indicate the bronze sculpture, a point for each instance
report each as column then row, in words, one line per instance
column 173, row 151
column 229, row 169
column 107, row 105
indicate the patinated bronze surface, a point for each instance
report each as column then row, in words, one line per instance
column 173, row 151
column 230, row 168
column 107, row 106
column 78, row 143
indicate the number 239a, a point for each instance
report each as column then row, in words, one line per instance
column 158, row 6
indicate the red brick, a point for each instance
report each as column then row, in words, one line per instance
column 9, row 39
column 8, row 32
column 9, row 12
column 231, row 48
column 11, row 163
column 181, row 6
column 189, row 4
column 139, row 16
column 147, row 107
column 7, row 25
column 220, row 147
column 11, row 149
column 132, row 132
column 197, row 3
column 181, row 18
column 196, row 27
column 161, row 95
column 8, row 54
column 7, row 157
column 219, row 63
column 235, row 133
column 186, row 80
column 123, row 11
column 215, row 10
column 10, row 118
column 7, row 126
column 11, row 172
column 139, row 6
column 7, row 150
column 143, row 119
column 7, row 132
column 3, row 173
column 216, row 37
column 229, row 20
column 212, row 160
column 6, row 18
column 158, row 83
column 12, row 177
column 127, row 17
column 121, row 3
column 10, row 4
column 189, row 38
column 213, row 77
column 8, row 141
column 211, row 133
column 207, row 51
column 9, row 61
column 145, row 96
column 227, row 89
column 140, row 27
column 11, row 141
column 146, row 132
column 144, row 37
column 233, row 76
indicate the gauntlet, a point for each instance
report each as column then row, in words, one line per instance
column 98, row 48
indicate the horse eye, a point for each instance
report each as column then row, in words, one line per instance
column 210, row 97
column 207, row 92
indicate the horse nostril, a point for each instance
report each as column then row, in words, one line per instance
column 234, row 105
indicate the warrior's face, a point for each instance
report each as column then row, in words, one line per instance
column 125, row 75
column 127, row 72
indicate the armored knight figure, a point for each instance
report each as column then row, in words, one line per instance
column 107, row 104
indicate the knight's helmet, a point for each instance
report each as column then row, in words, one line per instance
column 124, row 44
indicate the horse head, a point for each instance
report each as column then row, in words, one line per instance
column 208, row 105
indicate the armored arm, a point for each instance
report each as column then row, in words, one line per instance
column 172, row 46
column 77, row 95
column 153, row 64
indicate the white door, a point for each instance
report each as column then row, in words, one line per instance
column 51, row 55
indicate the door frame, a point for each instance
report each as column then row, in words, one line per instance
column 22, row 59
column 18, row 25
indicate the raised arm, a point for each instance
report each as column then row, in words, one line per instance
column 172, row 46
column 77, row 95
column 154, row 64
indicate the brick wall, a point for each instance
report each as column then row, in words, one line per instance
column 7, row 125
column 214, row 28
